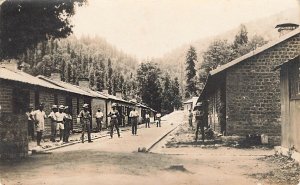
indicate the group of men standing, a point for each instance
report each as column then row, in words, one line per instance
column 134, row 116
column 61, row 120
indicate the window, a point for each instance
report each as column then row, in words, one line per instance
column 21, row 99
column 294, row 78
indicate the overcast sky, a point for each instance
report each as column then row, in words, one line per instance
column 150, row 28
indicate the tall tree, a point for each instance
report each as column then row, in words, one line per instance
column 177, row 99
column 191, row 59
column 149, row 87
column 167, row 95
column 241, row 38
column 109, row 76
column 25, row 23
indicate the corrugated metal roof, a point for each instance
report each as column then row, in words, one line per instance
column 20, row 76
column 66, row 86
column 255, row 52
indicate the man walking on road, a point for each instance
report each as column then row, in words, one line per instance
column 158, row 117
column 199, row 116
column 147, row 116
column 99, row 120
column 39, row 118
column 53, row 122
column 114, row 115
column 134, row 115
column 85, row 120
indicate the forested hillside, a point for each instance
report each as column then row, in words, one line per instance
column 93, row 58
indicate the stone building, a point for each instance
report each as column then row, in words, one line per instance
column 17, row 91
column 243, row 96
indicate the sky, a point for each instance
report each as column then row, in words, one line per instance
column 151, row 28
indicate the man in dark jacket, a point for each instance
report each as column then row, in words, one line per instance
column 199, row 117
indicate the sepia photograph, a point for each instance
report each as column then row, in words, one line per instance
column 149, row 92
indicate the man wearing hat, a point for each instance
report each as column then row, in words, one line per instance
column 60, row 115
column 199, row 117
column 39, row 118
column 53, row 122
column 30, row 122
column 134, row 115
column 99, row 119
column 114, row 114
column 85, row 120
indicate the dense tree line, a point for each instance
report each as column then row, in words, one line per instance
column 157, row 89
column 106, row 68
column 29, row 32
column 93, row 58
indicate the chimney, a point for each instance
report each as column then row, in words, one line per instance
column 286, row 28
column 55, row 75
column 119, row 94
column 84, row 83
column 11, row 64
column 105, row 91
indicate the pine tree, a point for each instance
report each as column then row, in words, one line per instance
column 191, row 59
column 149, row 87
column 109, row 77
column 177, row 99
column 167, row 95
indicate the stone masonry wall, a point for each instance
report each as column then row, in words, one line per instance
column 253, row 91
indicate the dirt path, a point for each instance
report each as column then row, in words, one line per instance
column 115, row 161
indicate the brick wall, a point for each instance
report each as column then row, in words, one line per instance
column 13, row 136
column 5, row 97
column 253, row 91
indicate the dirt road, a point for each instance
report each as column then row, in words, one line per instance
column 115, row 161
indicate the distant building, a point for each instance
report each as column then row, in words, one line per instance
column 190, row 104
column 243, row 96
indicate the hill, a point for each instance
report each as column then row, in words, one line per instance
column 174, row 61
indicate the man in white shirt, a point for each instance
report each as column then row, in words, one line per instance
column 53, row 122
column 158, row 117
column 39, row 118
column 60, row 115
column 147, row 116
column 134, row 117
column 99, row 119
